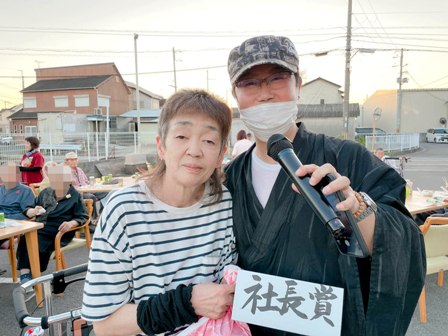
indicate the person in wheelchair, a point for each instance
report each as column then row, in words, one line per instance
column 60, row 207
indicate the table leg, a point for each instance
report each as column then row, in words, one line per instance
column 33, row 254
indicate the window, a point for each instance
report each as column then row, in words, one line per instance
column 103, row 101
column 15, row 128
column 322, row 101
column 30, row 130
column 29, row 102
column 113, row 122
column 61, row 101
column 82, row 101
column 21, row 129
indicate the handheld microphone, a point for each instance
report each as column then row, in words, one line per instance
column 341, row 224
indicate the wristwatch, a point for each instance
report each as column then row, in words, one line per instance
column 370, row 206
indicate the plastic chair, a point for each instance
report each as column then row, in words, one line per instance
column 435, row 231
column 76, row 242
column 9, row 245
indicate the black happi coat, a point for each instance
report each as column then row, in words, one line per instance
column 287, row 239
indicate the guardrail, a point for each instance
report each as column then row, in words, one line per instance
column 393, row 142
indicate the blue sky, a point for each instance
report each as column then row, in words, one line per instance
column 53, row 33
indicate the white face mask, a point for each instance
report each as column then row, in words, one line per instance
column 266, row 119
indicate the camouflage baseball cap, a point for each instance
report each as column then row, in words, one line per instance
column 258, row 50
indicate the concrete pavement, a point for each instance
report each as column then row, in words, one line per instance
column 436, row 299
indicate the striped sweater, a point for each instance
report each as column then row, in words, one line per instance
column 143, row 247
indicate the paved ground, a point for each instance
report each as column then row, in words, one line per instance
column 437, row 302
column 70, row 300
column 421, row 170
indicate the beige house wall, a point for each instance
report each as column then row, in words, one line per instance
column 421, row 109
column 313, row 92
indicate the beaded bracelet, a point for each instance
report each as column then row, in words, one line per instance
column 362, row 205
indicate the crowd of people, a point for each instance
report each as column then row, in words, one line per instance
column 58, row 204
column 159, row 251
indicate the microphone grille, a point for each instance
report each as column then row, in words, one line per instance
column 276, row 143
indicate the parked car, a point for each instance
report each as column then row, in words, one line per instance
column 7, row 140
column 363, row 131
column 437, row 135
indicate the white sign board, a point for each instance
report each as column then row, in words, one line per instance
column 286, row 304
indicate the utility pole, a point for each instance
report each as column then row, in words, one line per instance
column 399, row 94
column 348, row 51
column 137, row 91
column 174, row 67
column 23, row 79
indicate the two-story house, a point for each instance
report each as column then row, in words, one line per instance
column 72, row 99
column 5, row 127
column 321, row 108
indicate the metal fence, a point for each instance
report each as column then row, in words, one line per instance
column 96, row 146
column 88, row 146
column 393, row 142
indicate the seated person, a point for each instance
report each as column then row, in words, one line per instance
column 46, row 181
column 79, row 179
column 64, row 209
column 14, row 196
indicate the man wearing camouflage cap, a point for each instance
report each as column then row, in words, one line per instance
column 277, row 231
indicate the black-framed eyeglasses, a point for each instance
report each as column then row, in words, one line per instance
column 275, row 81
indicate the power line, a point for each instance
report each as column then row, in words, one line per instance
column 407, row 37
column 296, row 32
column 379, row 21
column 123, row 74
column 429, row 48
column 406, row 13
column 90, row 52
column 223, row 66
column 370, row 23
column 238, row 33
column 435, row 81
